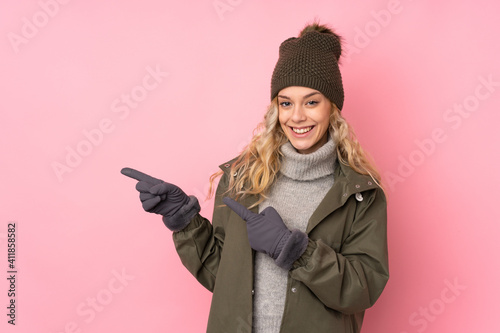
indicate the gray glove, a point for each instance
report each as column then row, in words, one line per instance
column 266, row 231
column 165, row 199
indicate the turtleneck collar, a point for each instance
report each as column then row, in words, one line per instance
column 311, row 166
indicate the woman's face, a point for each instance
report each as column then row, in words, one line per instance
column 304, row 115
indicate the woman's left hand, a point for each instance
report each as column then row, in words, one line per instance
column 266, row 231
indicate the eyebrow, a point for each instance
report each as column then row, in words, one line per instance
column 306, row 96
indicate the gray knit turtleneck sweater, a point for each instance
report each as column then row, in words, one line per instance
column 303, row 182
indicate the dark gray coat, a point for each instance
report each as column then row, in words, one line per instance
column 342, row 272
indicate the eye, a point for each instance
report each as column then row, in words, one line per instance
column 312, row 102
column 285, row 104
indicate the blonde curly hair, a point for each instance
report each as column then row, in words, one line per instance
column 257, row 167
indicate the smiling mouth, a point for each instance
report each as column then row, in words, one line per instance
column 302, row 130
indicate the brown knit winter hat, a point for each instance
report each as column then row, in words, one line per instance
column 310, row 60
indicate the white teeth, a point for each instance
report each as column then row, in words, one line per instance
column 301, row 130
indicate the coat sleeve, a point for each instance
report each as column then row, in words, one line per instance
column 352, row 279
column 200, row 244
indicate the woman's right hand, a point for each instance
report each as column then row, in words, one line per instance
column 156, row 195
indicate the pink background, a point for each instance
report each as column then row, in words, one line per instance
column 416, row 81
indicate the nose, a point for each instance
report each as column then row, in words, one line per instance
column 298, row 114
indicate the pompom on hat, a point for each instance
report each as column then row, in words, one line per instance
column 310, row 60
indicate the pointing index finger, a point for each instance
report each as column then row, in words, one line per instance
column 238, row 208
column 140, row 176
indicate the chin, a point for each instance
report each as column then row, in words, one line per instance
column 301, row 147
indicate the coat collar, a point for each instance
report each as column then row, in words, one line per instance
column 248, row 200
column 226, row 167
column 347, row 182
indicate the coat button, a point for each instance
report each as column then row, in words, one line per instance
column 359, row 197
column 294, row 290
column 357, row 186
column 253, row 292
column 369, row 183
column 227, row 165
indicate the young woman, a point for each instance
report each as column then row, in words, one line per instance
column 298, row 239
